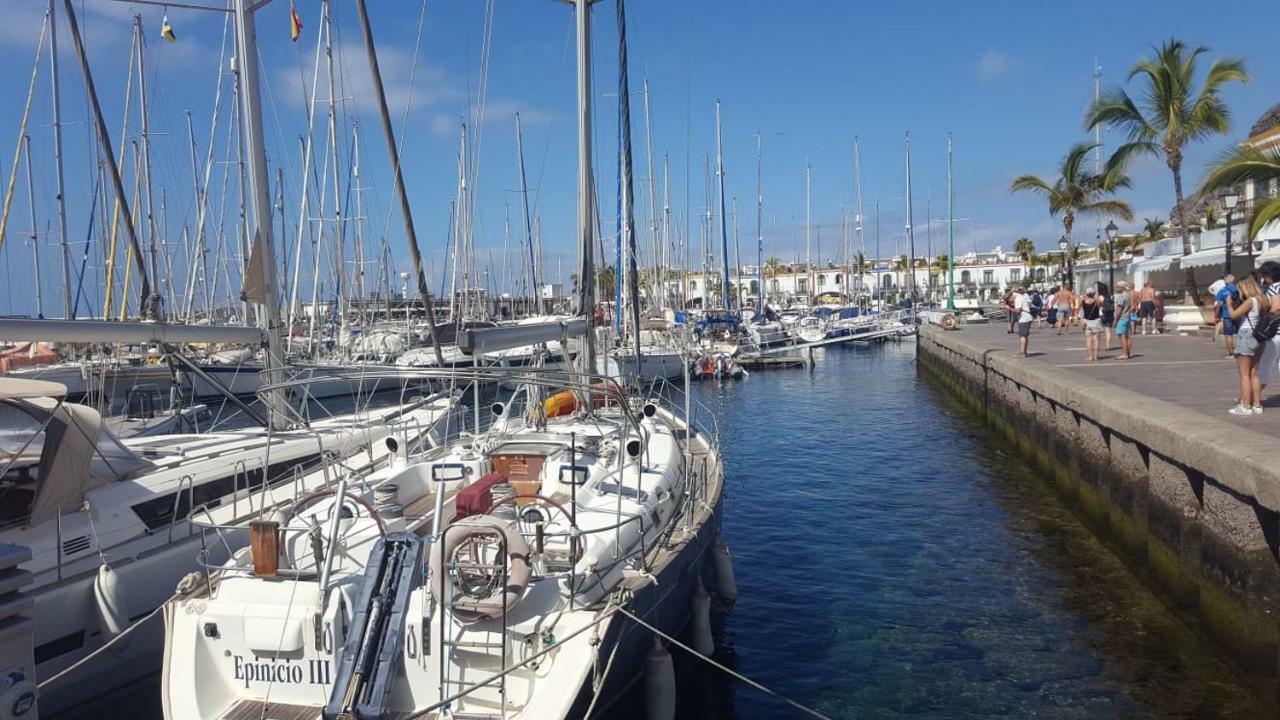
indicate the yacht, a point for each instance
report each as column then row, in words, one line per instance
column 108, row 522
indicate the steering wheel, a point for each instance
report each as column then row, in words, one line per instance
column 347, row 500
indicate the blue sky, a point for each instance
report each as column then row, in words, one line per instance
column 1009, row 80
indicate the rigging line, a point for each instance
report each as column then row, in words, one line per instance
column 546, row 145
column 408, row 103
column 720, row 666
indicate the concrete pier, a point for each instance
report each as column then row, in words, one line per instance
column 1145, row 453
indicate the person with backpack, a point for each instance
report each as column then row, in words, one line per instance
column 1269, row 281
column 1037, row 305
column 1246, row 313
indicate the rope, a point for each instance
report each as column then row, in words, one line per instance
column 730, row 671
column 76, row 665
column 496, row 676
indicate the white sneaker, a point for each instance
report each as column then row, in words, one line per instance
column 1257, row 409
column 1241, row 410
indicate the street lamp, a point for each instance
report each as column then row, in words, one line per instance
column 1062, row 245
column 1229, row 200
column 1112, row 233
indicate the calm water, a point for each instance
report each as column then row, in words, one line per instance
column 894, row 560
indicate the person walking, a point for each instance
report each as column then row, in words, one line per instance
column 1108, row 314
column 1147, row 307
column 1013, row 314
column 1222, row 301
column 1124, row 319
column 1269, row 364
column 1248, row 350
column 1063, row 300
column 1091, row 314
column 1021, row 304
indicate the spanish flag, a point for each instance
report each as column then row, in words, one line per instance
column 166, row 30
column 295, row 23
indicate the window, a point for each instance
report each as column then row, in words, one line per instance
column 837, row 279
column 886, row 281
column 1015, row 274
column 802, row 285
column 988, row 276
column 822, row 280
column 964, row 276
column 755, row 287
column 773, row 286
column 693, row 285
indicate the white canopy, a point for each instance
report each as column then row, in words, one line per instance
column 1155, row 264
column 1203, row 258
column 12, row 388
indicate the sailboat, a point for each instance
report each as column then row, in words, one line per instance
column 514, row 572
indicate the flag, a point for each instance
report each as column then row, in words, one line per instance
column 295, row 23
column 166, row 30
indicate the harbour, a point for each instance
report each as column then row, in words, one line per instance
column 406, row 365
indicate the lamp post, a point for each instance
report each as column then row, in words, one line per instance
column 1062, row 266
column 1112, row 233
column 1229, row 200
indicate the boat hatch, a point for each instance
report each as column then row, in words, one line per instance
column 273, row 635
column 630, row 493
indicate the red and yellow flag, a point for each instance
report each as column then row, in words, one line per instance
column 295, row 23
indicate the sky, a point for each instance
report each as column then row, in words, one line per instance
column 1010, row 82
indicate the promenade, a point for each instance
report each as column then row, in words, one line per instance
column 1188, row 371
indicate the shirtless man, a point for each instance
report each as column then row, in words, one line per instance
column 1063, row 300
column 1147, row 307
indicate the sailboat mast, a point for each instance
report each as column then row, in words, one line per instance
column 653, row 197
column 724, row 230
column 35, row 235
column 857, row 218
column 411, row 234
column 358, row 219
column 304, row 222
column 760, row 223
column 951, row 233
column 628, row 195
column 152, row 248
column 69, row 310
column 528, row 221
column 339, row 222
column 911, row 238
column 264, row 247
column 808, row 232
column 666, row 223
column 586, row 244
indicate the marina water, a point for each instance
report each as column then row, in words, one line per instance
column 894, row 559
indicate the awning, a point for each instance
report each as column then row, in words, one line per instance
column 1203, row 258
column 1155, row 264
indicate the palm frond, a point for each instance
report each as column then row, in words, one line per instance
column 1118, row 208
column 1031, row 183
column 1264, row 214
column 1116, row 109
column 1243, row 166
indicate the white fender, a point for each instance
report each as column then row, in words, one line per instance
column 702, row 640
column 726, row 585
column 659, row 684
column 113, row 615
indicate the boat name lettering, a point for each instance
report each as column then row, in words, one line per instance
column 317, row 672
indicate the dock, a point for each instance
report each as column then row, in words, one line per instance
column 1146, row 454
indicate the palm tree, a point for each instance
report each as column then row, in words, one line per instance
column 1025, row 248
column 1075, row 191
column 1261, row 167
column 1152, row 230
column 772, row 267
column 1170, row 113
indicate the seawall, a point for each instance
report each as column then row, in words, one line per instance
column 1189, row 502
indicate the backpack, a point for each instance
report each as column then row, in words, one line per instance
column 1267, row 327
column 1036, row 302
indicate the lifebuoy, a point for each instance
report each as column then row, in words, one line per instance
column 948, row 322
column 489, row 607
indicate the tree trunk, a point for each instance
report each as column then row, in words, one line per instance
column 1189, row 279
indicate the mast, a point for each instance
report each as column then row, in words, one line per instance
column 760, row 223
column 857, row 218
column 724, row 231
column 877, row 260
column 22, row 132
column 653, row 198
column 808, row 233
column 358, row 219
column 35, row 236
column 339, row 223
column 911, row 238
column 666, row 223
column 148, row 300
column 411, row 235
column 528, row 221
column 737, row 251
column 951, row 233
column 152, row 249
column 586, row 274
column 69, row 310
column 628, row 196
column 304, row 222
column 264, row 247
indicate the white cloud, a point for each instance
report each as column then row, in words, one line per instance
column 993, row 64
